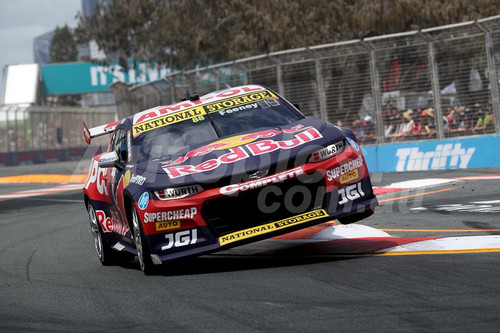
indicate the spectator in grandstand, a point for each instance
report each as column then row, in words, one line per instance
column 459, row 125
column 477, row 113
column 369, row 135
column 484, row 123
column 428, row 123
column 390, row 127
column 417, row 125
column 358, row 129
column 448, row 117
column 405, row 126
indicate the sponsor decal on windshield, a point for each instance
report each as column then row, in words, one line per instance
column 270, row 227
column 167, row 120
column 243, row 152
column 196, row 113
column 234, row 141
column 215, row 96
column 239, row 100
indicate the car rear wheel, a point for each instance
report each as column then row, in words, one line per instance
column 143, row 253
column 103, row 251
column 105, row 254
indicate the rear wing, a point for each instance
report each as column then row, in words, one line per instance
column 98, row 131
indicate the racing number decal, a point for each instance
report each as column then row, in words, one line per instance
column 197, row 119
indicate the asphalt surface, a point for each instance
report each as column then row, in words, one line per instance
column 52, row 281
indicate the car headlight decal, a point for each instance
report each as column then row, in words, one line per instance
column 178, row 192
column 327, row 152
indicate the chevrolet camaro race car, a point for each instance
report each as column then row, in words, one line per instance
column 217, row 171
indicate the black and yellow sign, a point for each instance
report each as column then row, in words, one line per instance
column 238, row 101
column 273, row 226
column 198, row 111
column 167, row 120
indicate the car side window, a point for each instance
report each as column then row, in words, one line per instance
column 119, row 144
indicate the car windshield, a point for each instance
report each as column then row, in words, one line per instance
column 169, row 140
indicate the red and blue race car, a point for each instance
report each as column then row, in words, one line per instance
column 217, row 171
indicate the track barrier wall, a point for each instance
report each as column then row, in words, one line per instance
column 459, row 153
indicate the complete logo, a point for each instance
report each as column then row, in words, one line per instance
column 143, row 201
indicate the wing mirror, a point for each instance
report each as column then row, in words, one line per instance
column 108, row 160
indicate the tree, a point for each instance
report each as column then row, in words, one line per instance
column 185, row 33
column 63, row 46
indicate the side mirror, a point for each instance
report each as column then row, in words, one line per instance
column 108, row 160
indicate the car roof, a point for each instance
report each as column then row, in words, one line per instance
column 195, row 101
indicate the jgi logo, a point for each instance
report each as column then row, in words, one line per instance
column 350, row 193
column 181, row 238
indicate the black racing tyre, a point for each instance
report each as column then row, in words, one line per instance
column 356, row 217
column 106, row 255
column 143, row 252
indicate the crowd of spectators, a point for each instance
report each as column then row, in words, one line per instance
column 420, row 124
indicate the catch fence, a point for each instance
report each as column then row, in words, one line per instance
column 37, row 128
column 434, row 83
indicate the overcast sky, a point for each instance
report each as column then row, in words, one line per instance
column 23, row 20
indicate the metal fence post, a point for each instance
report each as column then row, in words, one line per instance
column 375, row 91
column 492, row 74
column 436, row 91
column 217, row 76
column 243, row 69
column 321, row 85
column 279, row 74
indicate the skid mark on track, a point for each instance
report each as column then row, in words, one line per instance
column 28, row 265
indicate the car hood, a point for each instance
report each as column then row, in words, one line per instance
column 265, row 150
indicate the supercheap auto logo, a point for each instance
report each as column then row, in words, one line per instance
column 199, row 111
column 270, row 227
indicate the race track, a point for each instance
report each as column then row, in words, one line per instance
column 428, row 260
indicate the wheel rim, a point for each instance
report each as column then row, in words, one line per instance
column 137, row 238
column 96, row 235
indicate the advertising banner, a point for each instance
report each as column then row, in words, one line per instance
column 85, row 77
column 460, row 153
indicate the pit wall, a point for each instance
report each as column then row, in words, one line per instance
column 459, row 153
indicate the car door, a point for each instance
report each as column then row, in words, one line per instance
column 115, row 179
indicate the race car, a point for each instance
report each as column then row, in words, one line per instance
column 225, row 169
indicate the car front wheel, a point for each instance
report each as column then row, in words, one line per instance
column 143, row 253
